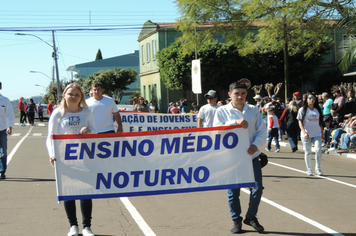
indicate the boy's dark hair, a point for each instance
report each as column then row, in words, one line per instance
column 289, row 99
column 194, row 103
column 95, row 85
column 237, row 85
column 0, row 85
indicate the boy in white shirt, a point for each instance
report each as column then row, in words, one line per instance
column 273, row 126
column 207, row 112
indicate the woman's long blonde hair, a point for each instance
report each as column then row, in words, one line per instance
column 63, row 105
column 293, row 106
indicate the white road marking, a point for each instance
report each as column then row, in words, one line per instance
column 16, row 134
column 322, row 177
column 137, row 217
column 12, row 153
column 299, row 216
column 41, row 124
column 37, row 134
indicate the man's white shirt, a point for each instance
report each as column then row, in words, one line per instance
column 207, row 113
column 103, row 113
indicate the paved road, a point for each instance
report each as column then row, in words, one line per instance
column 293, row 203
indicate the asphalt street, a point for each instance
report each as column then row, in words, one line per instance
column 293, row 203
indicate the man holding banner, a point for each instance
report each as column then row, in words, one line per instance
column 238, row 112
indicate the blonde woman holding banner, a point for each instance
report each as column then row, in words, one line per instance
column 72, row 117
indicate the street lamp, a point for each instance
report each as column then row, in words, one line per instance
column 54, row 55
column 32, row 71
column 41, row 86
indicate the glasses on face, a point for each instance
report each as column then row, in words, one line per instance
column 73, row 95
column 312, row 98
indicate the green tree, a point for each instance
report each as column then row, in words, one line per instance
column 347, row 52
column 114, row 82
column 288, row 26
column 222, row 64
column 98, row 55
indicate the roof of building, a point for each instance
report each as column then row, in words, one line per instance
column 127, row 60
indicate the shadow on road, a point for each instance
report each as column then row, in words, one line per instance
column 28, row 180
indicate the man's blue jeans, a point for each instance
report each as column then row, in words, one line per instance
column 3, row 145
column 255, row 195
column 307, row 151
column 337, row 135
column 345, row 145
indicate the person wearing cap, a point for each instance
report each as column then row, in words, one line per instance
column 207, row 112
column 7, row 118
column 298, row 99
column 259, row 102
column 238, row 112
column 327, row 104
column 337, row 109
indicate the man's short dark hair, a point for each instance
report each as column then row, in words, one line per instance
column 194, row 103
column 0, row 85
column 237, row 85
column 95, row 85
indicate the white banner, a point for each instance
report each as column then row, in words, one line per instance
column 151, row 162
column 142, row 121
column 196, row 76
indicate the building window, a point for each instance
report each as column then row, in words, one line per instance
column 143, row 54
column 154, row 49
column 148, row 52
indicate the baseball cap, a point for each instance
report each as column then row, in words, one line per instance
column 274, row 96
column 211, row 93
column 257, row 97
column 296, row 93
column 336, row 91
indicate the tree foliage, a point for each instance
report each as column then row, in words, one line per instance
column 114, row 82
column 289, row 26
column 99, row 56
column 221, row 64
column 347, row 52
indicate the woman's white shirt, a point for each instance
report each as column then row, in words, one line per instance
column 310, row 123
column 70, row 123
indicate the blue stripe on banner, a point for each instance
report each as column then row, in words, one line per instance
column 146, row 193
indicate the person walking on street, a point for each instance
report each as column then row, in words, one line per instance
column 31, row 109
column 7, row 118
column 50, row 108
column 72, row 117
column 238, row 112
column 40, row 112
column 273, row 126
column 103, row 109
column 311, row 125
column 21, row 109
column 292, row 128
column 207, row 112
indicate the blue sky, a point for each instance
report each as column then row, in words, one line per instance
column 21, row 54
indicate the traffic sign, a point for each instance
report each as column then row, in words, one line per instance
column 246, row 81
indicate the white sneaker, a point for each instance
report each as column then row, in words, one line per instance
column 332, row 149
column 309, row 172
column 87, row 232
column 318, row 172
column 74, row 231
column 323, row 145
column 280, row 139
column 277, row 150
column 267, row 149
column 333, row 141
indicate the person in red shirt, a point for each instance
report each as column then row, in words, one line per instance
column 50, row 107
column 21, row 108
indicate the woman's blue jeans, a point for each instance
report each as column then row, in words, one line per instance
column 255, row 195
column 307, row 151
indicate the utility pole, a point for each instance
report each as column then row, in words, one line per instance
column 55, row 56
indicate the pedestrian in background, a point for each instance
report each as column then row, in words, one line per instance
column 311, row 125
column 21, row 109
column 141, row 106
column 273, row 126
column 50, row 108
column 31, row 109
column 40, row 112
column 207, row 112
column 72, row 117
column 195, row 108
column 104, row 110
column 292, row 125
column 7, row 118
